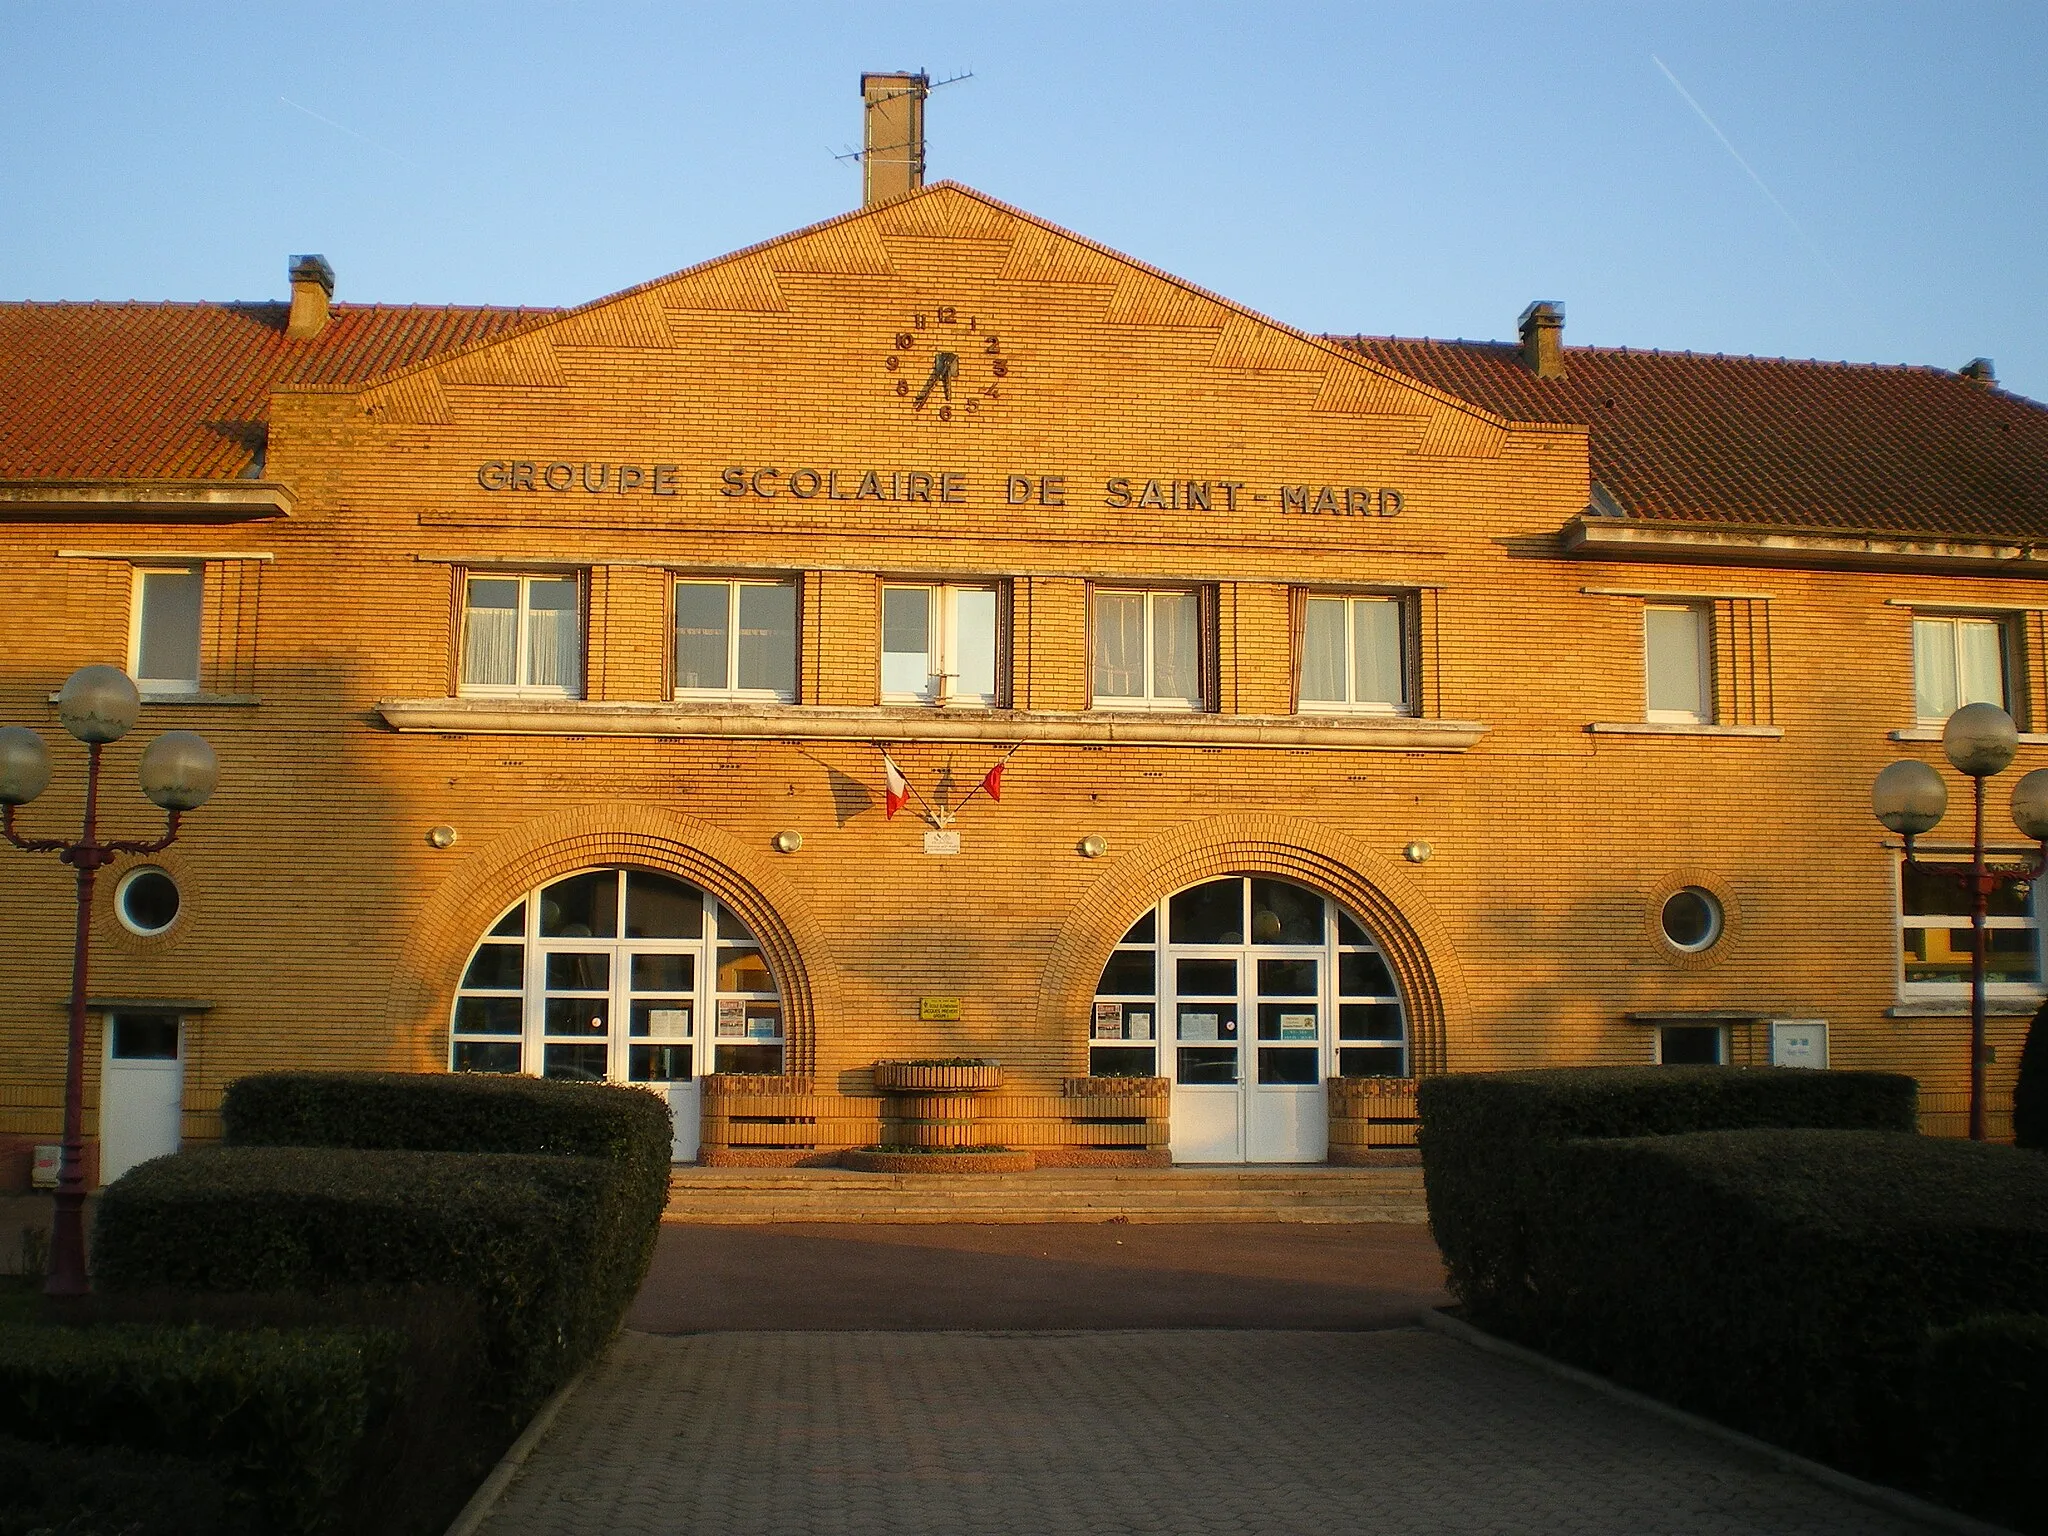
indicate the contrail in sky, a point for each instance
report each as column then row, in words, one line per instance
column 1748, row 170
column 394, row 154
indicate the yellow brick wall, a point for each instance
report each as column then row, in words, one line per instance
column 327, row 933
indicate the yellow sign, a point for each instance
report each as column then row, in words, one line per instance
column 938, row 1010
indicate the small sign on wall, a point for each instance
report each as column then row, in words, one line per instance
column 942, row 842
column 938, row 1010
column 1799, row 1042
column 48, row 1165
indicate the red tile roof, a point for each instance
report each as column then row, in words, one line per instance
column 172, row 391
column 1698, row 438
column 182, row 391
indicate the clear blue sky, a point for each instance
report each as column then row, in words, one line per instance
column 1407, row 169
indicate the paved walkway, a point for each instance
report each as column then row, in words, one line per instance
column 711, row 1279
column 1236, row 1433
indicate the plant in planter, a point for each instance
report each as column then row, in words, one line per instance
column 932, row 1105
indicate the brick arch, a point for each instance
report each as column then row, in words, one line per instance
column 448, row 926
column 1376, row 890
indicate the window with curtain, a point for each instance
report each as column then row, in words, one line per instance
column 735, row 640
column 1354, row 654
column 1678, row 663
column 522, row 634
column 1956, row 661
column 165, row 647
column 939, row 645
column 1148, row 648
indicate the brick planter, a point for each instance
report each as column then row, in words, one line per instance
column 1372, row 1122
column 863, row 1160
column 932, row 1103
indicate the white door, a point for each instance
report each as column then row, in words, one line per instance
column 142, row 1091
column 1257, row 992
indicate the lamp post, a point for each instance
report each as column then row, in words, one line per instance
column 1909, row 798
column 98, row 704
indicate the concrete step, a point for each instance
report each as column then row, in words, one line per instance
column 734, row 1196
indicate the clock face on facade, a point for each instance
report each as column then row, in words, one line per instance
column 947, row 364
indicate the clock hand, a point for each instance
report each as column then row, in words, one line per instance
column 942, row 375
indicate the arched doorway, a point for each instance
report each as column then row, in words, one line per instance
column 1248, row 992
column 619, row 975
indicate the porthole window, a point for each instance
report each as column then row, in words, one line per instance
column 146, row 900
column 1691, row 919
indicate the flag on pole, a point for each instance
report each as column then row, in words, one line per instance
column 899, row 787
column 992, row 782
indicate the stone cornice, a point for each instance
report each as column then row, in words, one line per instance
column 195, row 501
column 1734, row 544
column 571, row 717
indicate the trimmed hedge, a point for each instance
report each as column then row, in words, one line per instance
column 1483, row 1138
column 547, row 1247
column 472, row 1112
column 282, row 1416
column 1983, row 1404
column 1783, row 1281
column 66, row 1490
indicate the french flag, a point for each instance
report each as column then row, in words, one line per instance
column 899, row 787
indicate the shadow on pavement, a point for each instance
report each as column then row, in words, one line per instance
column 709, row 1279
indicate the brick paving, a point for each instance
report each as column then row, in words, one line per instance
column 1183, row 1432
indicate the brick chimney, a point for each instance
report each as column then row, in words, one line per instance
column 892, row 157
column 1542, row 327
column 1978, row 371
column 312, row 287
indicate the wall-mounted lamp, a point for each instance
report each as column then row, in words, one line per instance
column 1417, row 852
column 1093, row 846
column 442, row 836
column 788, row 842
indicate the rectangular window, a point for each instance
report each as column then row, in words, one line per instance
column 1678, row 664
column 735, row 640
column 165, row 641
column 939, row 645
column 1934, row 935
column 1692, row 1045
column 1354, row 655
column 1148, row 650
column 522, row 635
column 1956, row 662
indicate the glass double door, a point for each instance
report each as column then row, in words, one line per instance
column 620, row 976
column 1248, row 993
column 1246, row 1029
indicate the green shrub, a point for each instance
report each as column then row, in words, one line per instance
column 1483, row 1136
column 65, row 1490
column 1983, row 1408
column 546, row 1246
column 1783, row 1281
column 472, row 1112
column 282, row 1415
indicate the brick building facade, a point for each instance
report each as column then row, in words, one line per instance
column 1366, row 708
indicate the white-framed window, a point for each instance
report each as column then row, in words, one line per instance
column 1956, row 661
column 618, row 975
column 1692, row 1045
column 1354, row 655
column 1678, row 663
column 1148, row 649
column 1248, row 980
column 1934, row 935
column 735, row 640
column 939, row 644
column 522, row 635
column 164, row 635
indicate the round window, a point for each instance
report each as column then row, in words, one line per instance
column 1691, row 919
column 147, row 900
